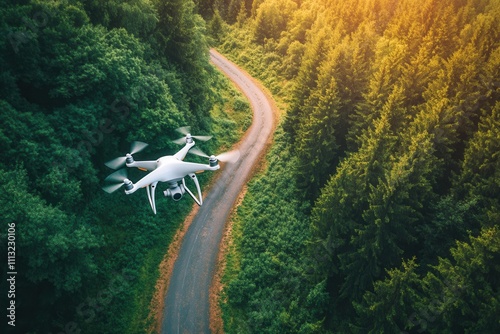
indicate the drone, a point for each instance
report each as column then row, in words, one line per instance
column 171, row 169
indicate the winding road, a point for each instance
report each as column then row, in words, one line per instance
column 187, row 299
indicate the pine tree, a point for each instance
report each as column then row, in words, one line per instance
column 355, row 69
column 461, row 293
column 388, row 64
column 395, row 209
column 480, row 171
column 180, row 36
column 215, row 27
column 388, row 307
column 272, row 18
column 337, row 213
column 242, row 14
column 316, row 134
column 306, row 80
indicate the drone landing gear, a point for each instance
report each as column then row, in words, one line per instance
column 193, row 177
column 150, row 189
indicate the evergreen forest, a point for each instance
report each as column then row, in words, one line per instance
column 79, row 81
column 378, row 207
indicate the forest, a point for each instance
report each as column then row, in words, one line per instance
column 79, row 81
column 378, row 209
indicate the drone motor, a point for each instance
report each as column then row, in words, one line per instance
column 128, row 184
column 129, row 158
column 212, row 161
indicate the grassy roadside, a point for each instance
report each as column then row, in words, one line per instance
column 231, row 116
column 230, row 270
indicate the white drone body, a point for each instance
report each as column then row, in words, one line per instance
column 170, row 169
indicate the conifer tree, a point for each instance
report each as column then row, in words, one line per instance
column 393, row 119
column 355, row 68
column 316, row 134
column 306, row 80
column 461, row 292
column 337, row 214
column 395, row 209
column 388, row 307
column 215, row 26
column 480, row 171
column 388, row 64
column 180, row 36
column 242, row 14
column 272, row 18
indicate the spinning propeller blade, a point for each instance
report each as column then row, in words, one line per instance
column 116, row 163
column 137, row 146
column 119, row 162
column 197, row 151
column 231, row 156
column 184, row 130
column 112, row 188
column 117, row 178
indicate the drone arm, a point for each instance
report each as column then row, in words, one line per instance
column 147, row 165
column 193, row 167
column 182, row 153
column 193, row 177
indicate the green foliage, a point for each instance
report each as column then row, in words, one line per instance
column 60, row 245
column 269, row 286
column 261, row 63
column 386, row 309
column 215, row 27
column 180, row 36
column 391, row 133
column 461, row 293
column 79, row 81
column 272, row 17
column 307, row 76
column 480, row 179
column 138, row 17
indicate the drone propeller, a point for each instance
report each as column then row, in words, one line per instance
column 135, row 147
column 231, row 156
column 184, row 130
column 118, row 179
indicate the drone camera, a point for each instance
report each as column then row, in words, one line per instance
column 175, row 192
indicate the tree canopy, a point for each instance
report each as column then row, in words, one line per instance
column 79, row 81
column 392, row 122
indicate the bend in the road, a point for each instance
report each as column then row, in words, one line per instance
column 187, row 299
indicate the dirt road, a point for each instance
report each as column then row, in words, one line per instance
column 186, row 302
